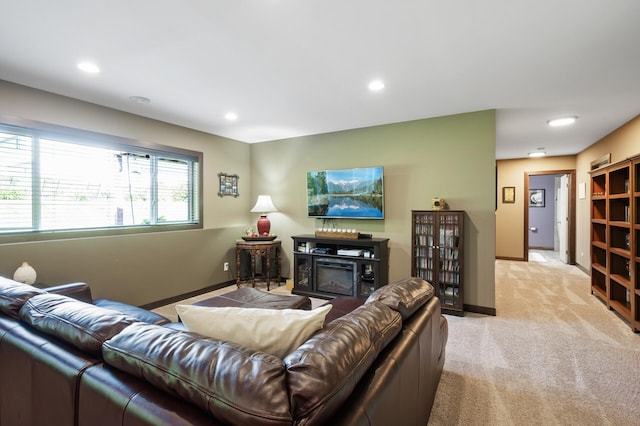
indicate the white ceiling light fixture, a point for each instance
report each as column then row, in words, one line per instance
column 88, row 67
column 376, row 85
column 231, row 116
column 562, row 121
column 539, row 153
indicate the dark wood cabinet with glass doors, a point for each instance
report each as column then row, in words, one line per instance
column 438, row 255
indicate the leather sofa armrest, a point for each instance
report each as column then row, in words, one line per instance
column 78, row 291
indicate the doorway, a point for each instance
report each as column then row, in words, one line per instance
column 550, row 213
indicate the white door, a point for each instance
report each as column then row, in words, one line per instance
column 563, row 219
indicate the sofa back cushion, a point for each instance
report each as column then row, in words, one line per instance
column 80, row 324
column 274, row 331
column 234, row 384
column 404, row 296
column 13, row 295
column 325, row 369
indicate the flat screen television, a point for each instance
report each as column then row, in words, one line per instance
column 346, row 193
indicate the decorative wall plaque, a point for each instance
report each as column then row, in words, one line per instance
column 228, row 185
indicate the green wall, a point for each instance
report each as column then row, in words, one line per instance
column 452, row 157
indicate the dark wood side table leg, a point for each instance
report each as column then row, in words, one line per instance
column 278, row 264
column 253, row 253
column 238, row 251
column 268, row 255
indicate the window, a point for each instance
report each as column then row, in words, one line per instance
column 54, row 179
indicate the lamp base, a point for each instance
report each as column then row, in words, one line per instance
column 264, row 225
column 25, row 274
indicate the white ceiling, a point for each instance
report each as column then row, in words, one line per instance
column 292, row 67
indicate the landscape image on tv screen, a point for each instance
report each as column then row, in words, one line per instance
column 348, row 193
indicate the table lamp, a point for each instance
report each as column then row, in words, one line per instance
column 263, row 206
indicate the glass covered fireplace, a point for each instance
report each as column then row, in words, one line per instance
column 336, row 276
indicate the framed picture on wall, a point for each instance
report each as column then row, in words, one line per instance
column 508, row 194
column 536, row 198
column 228, row 185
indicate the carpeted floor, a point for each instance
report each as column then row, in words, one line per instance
column 553, row 355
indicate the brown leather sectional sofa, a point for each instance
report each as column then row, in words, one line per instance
column 69, row 362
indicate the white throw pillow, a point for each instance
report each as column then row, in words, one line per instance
column 274, row 331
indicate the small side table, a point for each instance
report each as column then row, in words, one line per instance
column 259, row 248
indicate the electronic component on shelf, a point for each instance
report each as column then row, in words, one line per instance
column 349, row 252
column 322, row 250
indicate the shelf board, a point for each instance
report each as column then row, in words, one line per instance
column 599, row 221
column 620, row 252
column 620, row 224
column 620, row 195
column 338, row 256
column 600, row 268
column 622, row 280
column 622, row 309
column 599, row 244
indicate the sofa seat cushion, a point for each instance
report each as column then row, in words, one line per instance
column 13, row 295
column 274, row 331
column 140, row 314
column 236, row 385
column 80, row 324
column 404, row 296
column 324, row 370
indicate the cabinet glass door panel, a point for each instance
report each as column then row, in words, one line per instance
column 449, row 237
column 303, row 272
column 449, row 231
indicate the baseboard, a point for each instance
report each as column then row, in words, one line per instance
column 583, row 269
column 480, row 310
column 183, row 296
column 510, row 258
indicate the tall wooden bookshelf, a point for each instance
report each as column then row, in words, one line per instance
column 615, row 238
column 635, row 243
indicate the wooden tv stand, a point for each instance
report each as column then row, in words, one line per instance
column 332, row 267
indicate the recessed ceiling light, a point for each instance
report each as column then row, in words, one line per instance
column 562, row 121
column 231, row 116
column 539, row 153
column 88, row 67
column 376, row 85
column 139, row 99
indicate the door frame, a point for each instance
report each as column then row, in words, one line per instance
column 571, row 212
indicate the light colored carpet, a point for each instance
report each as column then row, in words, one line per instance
column 537, row 257
column 553, row 355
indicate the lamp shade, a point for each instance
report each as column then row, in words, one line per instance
column 264, row 205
